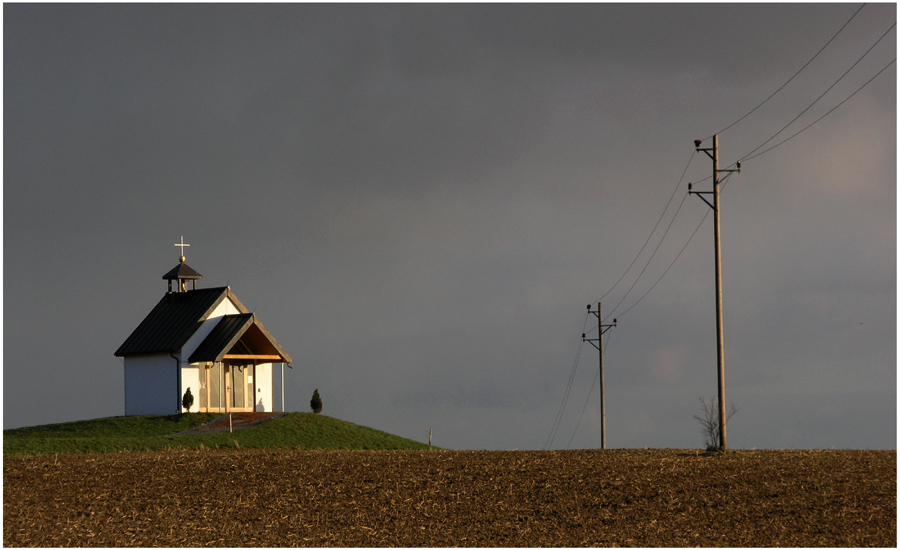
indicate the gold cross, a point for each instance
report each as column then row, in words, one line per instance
column 182, row 245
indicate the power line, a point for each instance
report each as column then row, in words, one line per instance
column 791, row 78
column 668, row 268
column 746, row 157
column 749, row 157
column 616, row 307
column 825, row 92
column 559, row 414
column 724, row 182
column 751, row 154
column 823, row 116
column 590, row 393
column 661, row 216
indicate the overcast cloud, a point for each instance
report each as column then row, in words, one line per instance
column 419, row 200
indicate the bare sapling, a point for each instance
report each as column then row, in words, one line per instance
column 709, row 421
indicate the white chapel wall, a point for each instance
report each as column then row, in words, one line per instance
column 150, row 385
column 227, row 307
column 263, row 399
column 190, row 378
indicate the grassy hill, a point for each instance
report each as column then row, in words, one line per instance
column 121, row 433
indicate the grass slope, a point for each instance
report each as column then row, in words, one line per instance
column 124, row 433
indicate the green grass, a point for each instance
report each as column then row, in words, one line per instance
column 122, row 433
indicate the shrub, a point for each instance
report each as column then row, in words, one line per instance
column 188, row 400
column 316, row 402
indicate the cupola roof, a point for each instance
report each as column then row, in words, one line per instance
column 182, row 272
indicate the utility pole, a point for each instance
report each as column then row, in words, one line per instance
column 713, row 153
column 598, row 343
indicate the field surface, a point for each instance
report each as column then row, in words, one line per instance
column 239, row 498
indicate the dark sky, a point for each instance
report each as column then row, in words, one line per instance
column 419, row 201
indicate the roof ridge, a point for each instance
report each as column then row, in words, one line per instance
column 173, row 321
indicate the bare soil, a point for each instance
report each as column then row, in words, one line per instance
column 240, row 498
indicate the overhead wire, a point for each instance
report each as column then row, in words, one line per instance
column 661, row 216
column 656, row 226
column 590, row 393
column 800, row 70
column 723, row 182
column 670, row 265
column 750, row 155
column 655, row 250
column 823, row 116
column 792, row 77
column 559, row 414
column 826, row 91
column 553, row 430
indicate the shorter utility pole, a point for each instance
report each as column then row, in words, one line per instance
column 598, row 343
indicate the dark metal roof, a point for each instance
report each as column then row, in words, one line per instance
column 174, row 319
column 181, row 271
column 221, row 338
column 242, row 333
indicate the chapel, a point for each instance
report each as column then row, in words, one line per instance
column 204, row 340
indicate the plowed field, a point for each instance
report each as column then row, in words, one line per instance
column 452, row 498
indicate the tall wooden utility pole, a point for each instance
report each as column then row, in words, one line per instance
column 598, row 343
column 713, row 153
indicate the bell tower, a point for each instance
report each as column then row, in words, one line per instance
column 182, row 273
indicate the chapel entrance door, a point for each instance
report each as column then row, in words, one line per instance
column 211, row 382
column 239, row 387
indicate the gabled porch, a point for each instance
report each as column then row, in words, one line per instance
column 229, row 359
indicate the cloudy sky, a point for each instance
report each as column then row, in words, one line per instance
column 420, row 200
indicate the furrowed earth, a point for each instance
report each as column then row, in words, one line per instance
column 436, row 498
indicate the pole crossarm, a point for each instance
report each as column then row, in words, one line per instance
column 700, row 194
column 596, row 341
column 601, row 327
column 591, row 341
column 717, row 181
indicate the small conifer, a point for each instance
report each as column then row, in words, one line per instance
column 316, row 402
column 188, row 400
